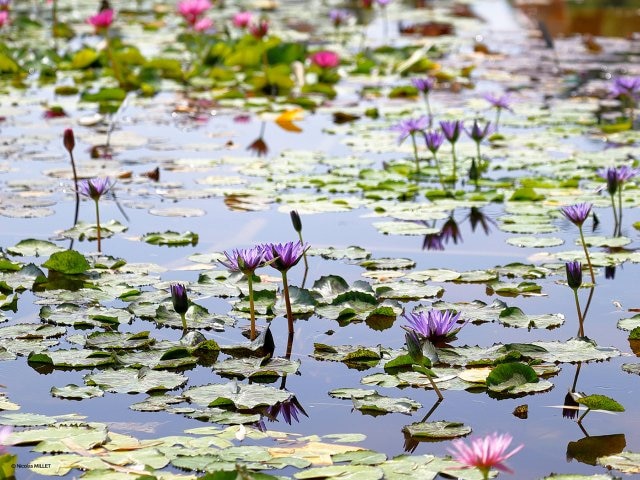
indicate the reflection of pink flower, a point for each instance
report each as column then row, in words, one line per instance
column 191, row 10
column 325, row 59
column 242, row 19
column 203, row 25
column 5, row 432
column 102, row 20
column 4, row 18
column 485, row 453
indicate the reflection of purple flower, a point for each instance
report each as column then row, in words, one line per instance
column 433, row 139
column 476, row 217
column 5, row 432
column 94, row 188
column 284, row 255
column 574, row 274
column 578, row 213
column 452, row 129
column 451, row 231
column 288, row 409
column 477, row 134
column 433, row 241
column 424, row 84
column 502, row 102
column 432, row 323
column 410, row 126
column 626, row 87
column 245, row 260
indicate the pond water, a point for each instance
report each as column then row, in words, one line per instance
column 349, row 181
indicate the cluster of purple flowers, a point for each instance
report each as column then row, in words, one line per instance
column 281, row 256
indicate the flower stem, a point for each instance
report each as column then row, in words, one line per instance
column 435, row 158
column 304, row 252
column 114, row 64
column 435, row 387
column 98, row 226
column 287, row 301
column 586, row 252
column 453, row 153
column 580, row 317
column 183, row 317
column 619, row 209
column 498, row 110
column 415, row 152
column 426, row 101
column 252, row 309
column 75, row 181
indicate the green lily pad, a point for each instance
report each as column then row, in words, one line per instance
column 388, row 264
column 52, row 439
column 89, row 231
column 73, row 358
column 379, row 404
column 507, row 376
column 344, row 472
column 441, row 430
column 172, row 239
column 535, row 242
column 129, row 380
column 68, row 261
column 240, row 396
column 625, row 462
column 514, row 317
column 34, row 248
column 256, row 367
column 600, row 402
column 76, row 392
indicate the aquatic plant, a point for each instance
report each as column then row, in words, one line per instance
column 574, row 280
column 451, row 130
column 296, row 221
column 325, row 59
column 424, row 86
column 478, row 134
column 577, row 214
column 94, row 189
column 282, row 257
column 433, row 139
column 616, row 177
column 180, row 301
column 627, row 90
column 246, row 261
column 192, row 10
column 242, row 19
column 433, row 324
column 416, row 346
column 409, row 128
column 502, row 102
column 485, row 453
column 69, row 142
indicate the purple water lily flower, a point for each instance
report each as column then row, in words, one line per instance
column 245, row 260
column 452, row 129
column 284, row 255
column 611, row 176
column 423, row 84
column 95, row 188
column 432, row 323
column 502, row 102
column 477, row 133
column 433, row 139
column 574, row 274
column 578, row 213
column 410, row 127
column 625, row 173
column 626, row 87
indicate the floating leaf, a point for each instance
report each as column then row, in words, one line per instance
column 68, row 261
column 600, row 402
column 508, row 376
column 76, row 392
column 128, row 380
column 172, row 239
column 625, row 462
column 514, row 317
column 441, row 430
column 237, row 395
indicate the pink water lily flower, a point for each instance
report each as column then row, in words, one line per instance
column 192, row 10
column 4, row 18
column 242, row 19
column 485, row 453
column 102, row 20
column 325, row 59
column 5, row 433
column 203, row 25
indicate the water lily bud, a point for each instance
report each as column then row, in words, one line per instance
column 414, row 346
column 295, row 220
column 179, row 298
column 69, row 140
column 574, row 274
